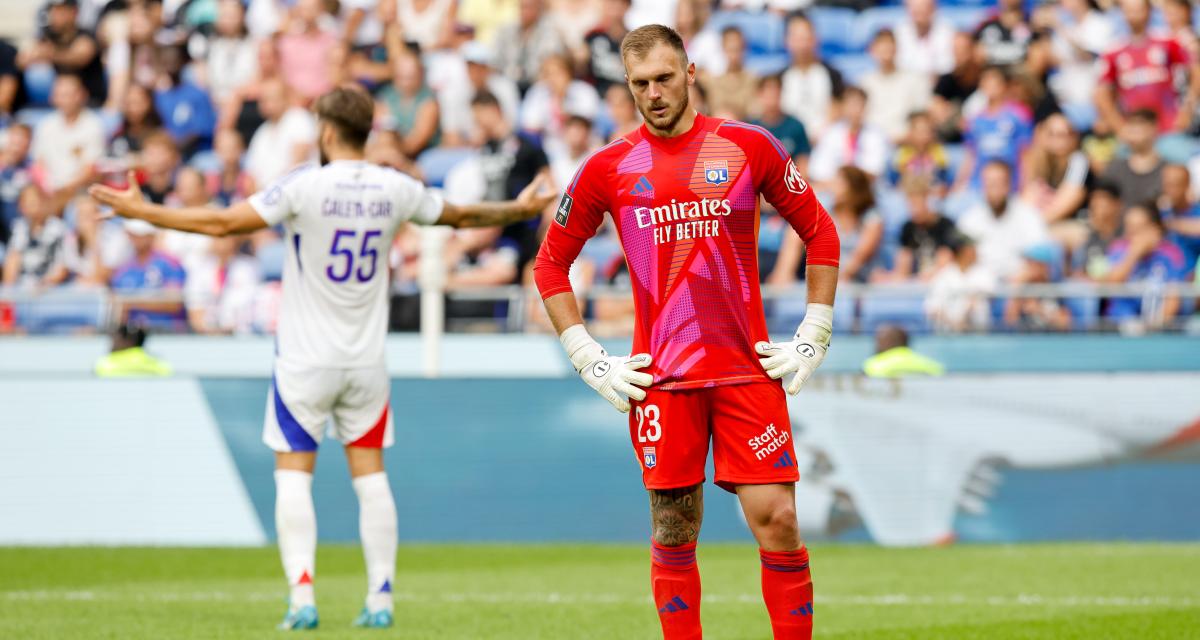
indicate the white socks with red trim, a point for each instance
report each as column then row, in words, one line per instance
column 296, row 528
column 377, row 527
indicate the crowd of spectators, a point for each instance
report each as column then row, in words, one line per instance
column 965, row 147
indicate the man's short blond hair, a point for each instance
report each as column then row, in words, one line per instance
column 640, row 41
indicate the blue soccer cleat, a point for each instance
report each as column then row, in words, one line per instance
column 366, row 619
column 299, row 619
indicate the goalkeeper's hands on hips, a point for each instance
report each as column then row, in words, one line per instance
column 615, row 378
column 803, row 353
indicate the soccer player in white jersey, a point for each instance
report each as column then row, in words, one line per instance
column 340, row 218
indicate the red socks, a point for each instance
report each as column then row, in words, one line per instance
column 676, row 584
column 787, row 590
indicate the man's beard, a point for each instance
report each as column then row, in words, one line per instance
column 673, row 119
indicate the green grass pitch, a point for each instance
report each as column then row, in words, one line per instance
column 1060, row 592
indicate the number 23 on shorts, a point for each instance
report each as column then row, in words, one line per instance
column 649, row 429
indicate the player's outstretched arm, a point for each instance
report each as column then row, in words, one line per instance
column 532, row 200
column 129, row 203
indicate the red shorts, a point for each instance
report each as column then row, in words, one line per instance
column 748, row 424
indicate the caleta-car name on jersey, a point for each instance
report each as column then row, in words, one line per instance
column 684, row 220
column 334, row 208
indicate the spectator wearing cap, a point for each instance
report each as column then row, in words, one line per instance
column 920, row 155
column 185, row 109
column 958, row 298
column 1041, row 264
column 14, row 176
column 1138, row 174
column 925, row 238
column 523, row 46
column 809, row 85
column 555, row 97
column 285, row 139
column 892, row 93
column 412, row 110
column 1144, row 254
column 454, row 99
column 1005, row 36
column 36, row 257
column 1089, row 260
column 1180, row 211
column 310, row 51
column 788, row 130
column 1000, row 131
column 1140, row 75
column 732, row 92
column 600, row 50
column 851, row 141
column 69, row 49
column 1002, row 225
column 153, row 278
column 68, row 142
column 924, row 41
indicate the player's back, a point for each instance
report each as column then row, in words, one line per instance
column 339, row 221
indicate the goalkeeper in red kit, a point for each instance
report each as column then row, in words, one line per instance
column 683, row 192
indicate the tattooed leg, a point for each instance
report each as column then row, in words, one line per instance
column 675, row 515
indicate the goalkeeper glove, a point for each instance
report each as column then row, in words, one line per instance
column 804, row 353
column 613, row 377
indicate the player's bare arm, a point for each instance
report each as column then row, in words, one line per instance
column 532, row 200
column 210, row 221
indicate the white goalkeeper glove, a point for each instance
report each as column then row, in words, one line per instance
column 613, row 377
column 804, row 353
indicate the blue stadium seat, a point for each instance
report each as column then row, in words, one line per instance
column 767, row 64
column 853, row 66
column 61, row 311
column 437, row 162
column 907, row 312
column 835, row 29
column 783, row 314
column 872, row 20
column 893, row 208
column 954, row 157
column 965, row 18
column 1085, row 312
column 1081, row 115
column 764, row 31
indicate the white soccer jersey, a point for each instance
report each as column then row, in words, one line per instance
column 340, row 220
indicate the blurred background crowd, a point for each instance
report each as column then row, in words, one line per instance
column 969, row 152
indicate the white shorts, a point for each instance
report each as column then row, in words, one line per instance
column 353, row 403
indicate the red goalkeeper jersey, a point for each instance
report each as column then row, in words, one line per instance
column 687, row 212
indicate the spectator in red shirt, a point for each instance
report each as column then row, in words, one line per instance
column 1140, row 74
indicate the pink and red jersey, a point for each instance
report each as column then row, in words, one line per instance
column 687, row 212
column 1143, row 74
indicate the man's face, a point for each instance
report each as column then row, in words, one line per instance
column 488, row 118
column 271, row 100
column 62, row 18
column 229, row 17
column 1138, row 226
column 800, row 38
column 1139, row 134
column 659, row 84
column 854, row 107
column 67, row 95
column 996, row 185
column 143, row 244
column 159, row 159
column 770, row 96
column 16, row 144
column 993, row 85
column 32, row 206
column 1176, row 181
column 1103, row 209
column 1137, row 14
column 576, row 136
column 883, row 50
column 734, row 47
column 530, row 11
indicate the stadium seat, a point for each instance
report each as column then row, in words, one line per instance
column 437, row 162
column 907, row 312
column 783, row 314
column 954, row 157
column 764, row 31
column 835, row 29
column 853, row 66
column 767, row 64
column 1080, row 114
column 869, row 23
column 1085, row 312
column 964, row 18
column 61, row 311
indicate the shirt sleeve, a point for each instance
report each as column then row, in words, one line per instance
column 276, row 203
column 782, row 185
column 579, row 214
column 418, row 203
column 1108, row 70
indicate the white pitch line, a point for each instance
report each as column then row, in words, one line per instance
column 877, row 600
